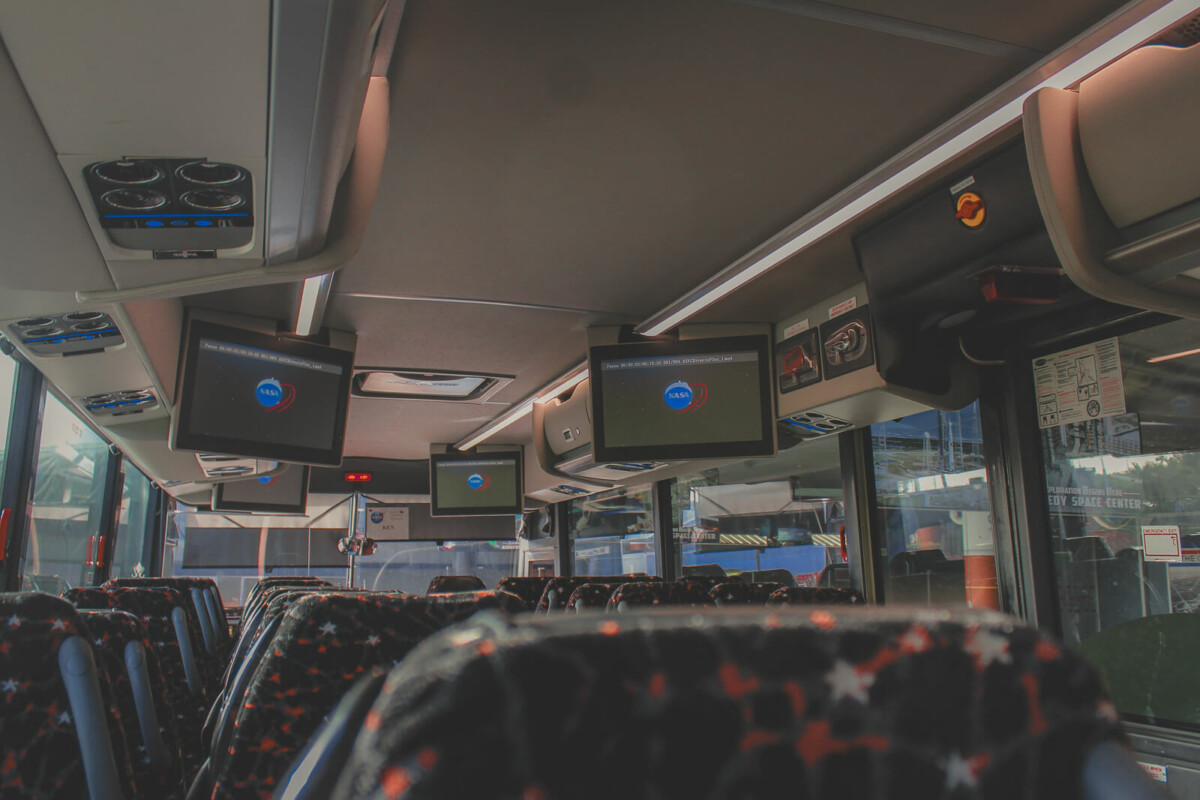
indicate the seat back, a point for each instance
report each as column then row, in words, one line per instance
column 126, row 657
column 161, row 611
column 61, row 732
column 630, row 596
column 324, row 643
column 590, row 595
column 528, row 589
column 742, row 594
column 825, row 703
column 806, row 595
column 558, row 590
column 198, row 589
column 441, row 584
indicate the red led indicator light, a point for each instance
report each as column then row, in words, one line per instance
column 358, row 477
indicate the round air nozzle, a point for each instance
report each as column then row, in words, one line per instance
column 83, row 316
column 90, row 325
column 134, row 199
column 96, row 399
column 212, row 200
column 34, row 322
column 127, row 172
column 134, row 394
column 45, row 330
column 209, row 173
column 228, row 470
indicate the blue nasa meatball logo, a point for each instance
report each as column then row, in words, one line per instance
column 274, row 395
column 376, row 517
column 479, row 482
column 685, row 397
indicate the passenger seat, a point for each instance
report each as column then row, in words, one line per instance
column 806, row 595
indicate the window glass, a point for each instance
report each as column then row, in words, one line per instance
column 779, row 520
column 236, row 550
column 8, row 378
column 1124, row 507
column 409, row 566
column 612, row 533
column 63, row 524
column 934, row 510
column 137, row 491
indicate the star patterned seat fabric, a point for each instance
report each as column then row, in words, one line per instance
column 805, row 595
column 110, row 631
column 528, row 589
column 746, row 703
column 40, row 751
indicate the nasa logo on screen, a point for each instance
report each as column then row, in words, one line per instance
column 479, row 482
column 684, row 397
column 273, row 395
column 266, row 480
column 376, row 517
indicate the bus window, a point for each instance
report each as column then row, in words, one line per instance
column 1124, row 507
column 777, row 520
column 933, row 510
column 63, row 528
column 612, row 533
column 409, row 566
column 132, row 524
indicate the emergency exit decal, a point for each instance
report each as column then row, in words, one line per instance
column 1080, row 384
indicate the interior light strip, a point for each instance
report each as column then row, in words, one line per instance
column 313, row 297
column 1160, row 359
column 862, row 196
column 568, row 380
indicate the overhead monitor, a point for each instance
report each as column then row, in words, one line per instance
column 695, row 398
column 283, row 493
column 254, row 394
column 476, row 484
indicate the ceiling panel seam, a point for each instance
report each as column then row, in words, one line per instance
column 900, row 27
column 469, row 301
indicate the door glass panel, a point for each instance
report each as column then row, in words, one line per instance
column 613, row 533
column 933, row 510
column 778, row 519
column 63, row 526
column 132, row 524
column 1124, row 507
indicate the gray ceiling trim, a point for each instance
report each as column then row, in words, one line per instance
column 899, row 27
column 470, row 302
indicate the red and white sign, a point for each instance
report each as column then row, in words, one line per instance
column 1156, row 771
column 1162, row 543
column 843, row 307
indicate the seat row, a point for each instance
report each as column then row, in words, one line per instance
column 831, row 702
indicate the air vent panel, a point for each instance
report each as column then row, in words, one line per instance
column 66, row 334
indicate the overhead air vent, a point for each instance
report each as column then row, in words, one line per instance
column 173, row 206
column 125, row 403
column 410, row 384
column 811, row 425
column 218, row 465
column 569, row 491
column 67, row 334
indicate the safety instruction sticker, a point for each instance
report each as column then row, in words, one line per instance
column 1079, row 384
column 1156, row 771
column 1162, row 543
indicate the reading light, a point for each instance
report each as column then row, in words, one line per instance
column 1160, row 359
column 568, row 380
column 955, row 136
column 358, row 477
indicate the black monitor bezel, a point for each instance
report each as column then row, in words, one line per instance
column 436, row 510
column 183, row 439
column 764, row 446
column 220, row 504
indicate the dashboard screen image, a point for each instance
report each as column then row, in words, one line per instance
column 282, row 493
column 252, row 394
column 481, row 484
column 710, row 402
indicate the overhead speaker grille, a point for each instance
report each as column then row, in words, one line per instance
column 1185, row 34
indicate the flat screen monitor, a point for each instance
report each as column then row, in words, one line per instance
column 253, row 394
column 476, row 485
column 283, row 493
column 696, row 398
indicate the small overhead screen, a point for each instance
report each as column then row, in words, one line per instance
column 695, row 398
column 283, row 493
column 476, row 485
column 253, row 394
